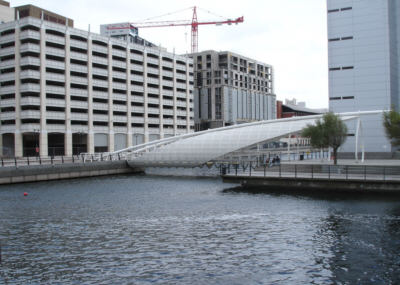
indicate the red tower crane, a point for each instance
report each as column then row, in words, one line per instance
column 194, row 23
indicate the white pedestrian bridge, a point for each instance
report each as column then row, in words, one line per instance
column 199, row 148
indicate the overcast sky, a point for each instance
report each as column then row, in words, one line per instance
column 289, row 34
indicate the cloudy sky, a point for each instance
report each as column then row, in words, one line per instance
column 289, row 34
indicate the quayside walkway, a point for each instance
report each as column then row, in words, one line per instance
column 379, row 175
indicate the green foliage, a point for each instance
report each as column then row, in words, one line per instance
column 329, row 131
column 391, row 121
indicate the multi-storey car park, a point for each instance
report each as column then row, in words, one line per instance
column 64, row 91
column 231, row 89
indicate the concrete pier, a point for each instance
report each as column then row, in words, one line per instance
column 32, row 173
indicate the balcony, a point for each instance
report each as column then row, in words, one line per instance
column 100, row 83
column 80, row 116
column 7, row 38
column 137, row 57
column 119, row 64
column 55, row 51
column 55, row 115
column 100, row 60
column 78, row 55
column 119, row 97
column 121, row 108
column 154, row 111
column 55, row 102
column 168, row 64
column 78, row 44
column 7, row 103
column 153, row 80
column 137, row 120
column 55, row 90
column 79, row 104
column 153, row 90
column 100, row 106
column 137, row 88
column 167, row 73
column 168, row 102
column 100, row 94
column 100, row 49
column 168, row 121
column 78, row 68
column 79, row 92
column 181, row 104
column 137, row 109
column 7, row 115
column 119, row 53
column 137, row 78
column 7, row 76
column 30, row 101
column 30, row 114
column 137, row 67
column 101, row 118
column 138, row 99
column 7, row 51
column 54, row 64
column 100, row 71
column 8, row 63
column 29, row 128
column 153, row 100
column 29, row 34
column 30, row 87
column 31, row 74
column 120, row 86
column 120, row 75
column 153, row 120
column 153, row 60
column 55, row 39
column 28, row 60
column 55, row 77
column 168, row 83
column 79, row 80
column 153, row 70
column 122, row 119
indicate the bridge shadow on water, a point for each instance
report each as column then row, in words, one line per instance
column 317, row 194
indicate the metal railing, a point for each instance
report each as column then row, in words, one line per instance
column 313, row 171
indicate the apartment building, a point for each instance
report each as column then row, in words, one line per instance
column 64, row 91
column 231, row 89
column 363, row 44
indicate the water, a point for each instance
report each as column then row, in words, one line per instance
column 160, row 230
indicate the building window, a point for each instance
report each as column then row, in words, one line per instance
column 334, row 68
column 335, row 98
column 347, row 38
column 348, row 97
column 347, row 67
column 334, row 40
column 346, row 8
column 333, row 10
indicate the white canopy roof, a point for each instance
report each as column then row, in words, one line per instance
column 198, row 148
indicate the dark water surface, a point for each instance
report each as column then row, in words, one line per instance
column 142, row 230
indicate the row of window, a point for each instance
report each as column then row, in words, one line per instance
column 340, row 39
column 341, row 98
column 340, row 9
column 341, row 68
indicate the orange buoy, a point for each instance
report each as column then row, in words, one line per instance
column 25, row 194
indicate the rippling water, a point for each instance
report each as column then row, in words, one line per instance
column 143, row 229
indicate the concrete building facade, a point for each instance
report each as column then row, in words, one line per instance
column 364, row 50
column 231, row 89
column 64, row 91
column 6, row 12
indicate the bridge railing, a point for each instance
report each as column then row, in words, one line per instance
column 313, row 171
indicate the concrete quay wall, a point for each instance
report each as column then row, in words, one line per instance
column 32, row 173
column 330, row 185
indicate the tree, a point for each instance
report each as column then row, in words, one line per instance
column 391, row 122
column 330, row 131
